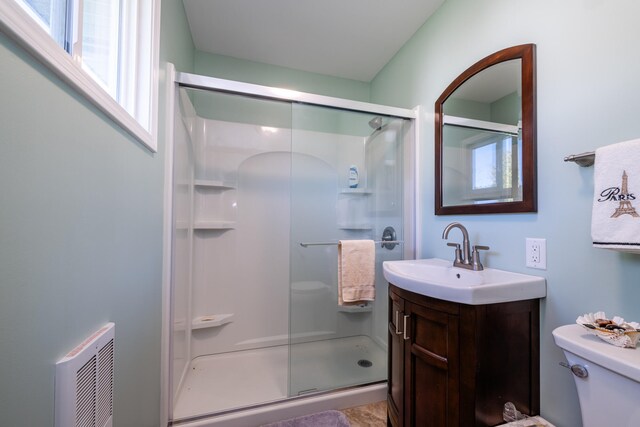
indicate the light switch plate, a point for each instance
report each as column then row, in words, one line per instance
column 536, row 253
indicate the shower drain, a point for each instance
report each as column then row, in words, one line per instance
column 364, row 363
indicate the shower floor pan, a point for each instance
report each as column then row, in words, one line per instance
column 221, row 382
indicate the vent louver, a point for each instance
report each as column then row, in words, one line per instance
column 84, row 382
column 104, row 395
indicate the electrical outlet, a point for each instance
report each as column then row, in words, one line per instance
column 536, row 253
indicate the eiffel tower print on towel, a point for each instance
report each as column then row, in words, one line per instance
column 625, row 207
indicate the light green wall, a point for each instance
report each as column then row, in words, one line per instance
column 504, row 110
column 241, row 109
column 80, row 239
column 226, row 67
column 176, row 45
column 507, row 109
column 587, row 97
column 467, row 108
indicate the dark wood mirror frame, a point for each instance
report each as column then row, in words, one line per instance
column 528, row 203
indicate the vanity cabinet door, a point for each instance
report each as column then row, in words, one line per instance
column 432, row 377
column 454, row 364
column 395, row 384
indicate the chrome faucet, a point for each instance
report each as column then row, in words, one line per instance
column 465, row 257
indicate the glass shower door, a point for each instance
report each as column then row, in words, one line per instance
column 230, row 289
column 332, row 345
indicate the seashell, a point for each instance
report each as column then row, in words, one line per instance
column 603, row 322
column 614, row 331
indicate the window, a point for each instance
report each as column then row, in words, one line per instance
column 106, row 49
column 51, row 16
column 100, row 37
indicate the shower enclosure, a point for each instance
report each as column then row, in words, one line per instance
column 261, row 197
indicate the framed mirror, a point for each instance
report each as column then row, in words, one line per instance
column 485, row 146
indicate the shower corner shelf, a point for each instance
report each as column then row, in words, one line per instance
column 366, row 308
column 208, row 183
column 363, row 191
column 211, row 321
column 214, row 225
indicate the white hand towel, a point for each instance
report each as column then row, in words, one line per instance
column 615, row 220
column 356, row 271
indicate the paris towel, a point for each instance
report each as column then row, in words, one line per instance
column 356, row 271
column 615, row 219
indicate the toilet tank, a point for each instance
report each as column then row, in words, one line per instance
column 609, row 394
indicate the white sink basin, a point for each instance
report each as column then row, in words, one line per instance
column 438, row 278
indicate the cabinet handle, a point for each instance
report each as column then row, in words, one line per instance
column 404, row 333
column 398, row 332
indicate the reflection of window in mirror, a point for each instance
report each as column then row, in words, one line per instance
column 484, row 166
column 481, row 166
column 494, row 170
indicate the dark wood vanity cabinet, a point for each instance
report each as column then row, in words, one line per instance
column 454, row 364
column 395, row 366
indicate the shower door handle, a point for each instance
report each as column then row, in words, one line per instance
column 398, row 331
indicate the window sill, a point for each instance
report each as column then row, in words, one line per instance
column 18, row 25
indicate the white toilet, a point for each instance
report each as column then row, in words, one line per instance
column 607, row 378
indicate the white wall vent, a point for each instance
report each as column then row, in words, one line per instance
column 84, row 382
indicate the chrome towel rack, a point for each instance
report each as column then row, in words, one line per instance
column 582, row 159
column 388, row 240
column 381, row 242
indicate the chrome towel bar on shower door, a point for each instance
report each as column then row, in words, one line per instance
column 304, row 245
column 388, row 240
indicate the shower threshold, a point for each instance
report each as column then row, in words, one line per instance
column 222, row 382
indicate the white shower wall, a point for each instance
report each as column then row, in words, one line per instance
column 245, row 270
column 254, row 178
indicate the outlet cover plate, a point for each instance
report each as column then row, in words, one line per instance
column 536, row 253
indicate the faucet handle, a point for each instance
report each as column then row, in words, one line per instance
column 475, row 257
column 458, row 259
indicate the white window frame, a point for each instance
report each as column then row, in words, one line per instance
column 18, row 24
column 499, row 191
